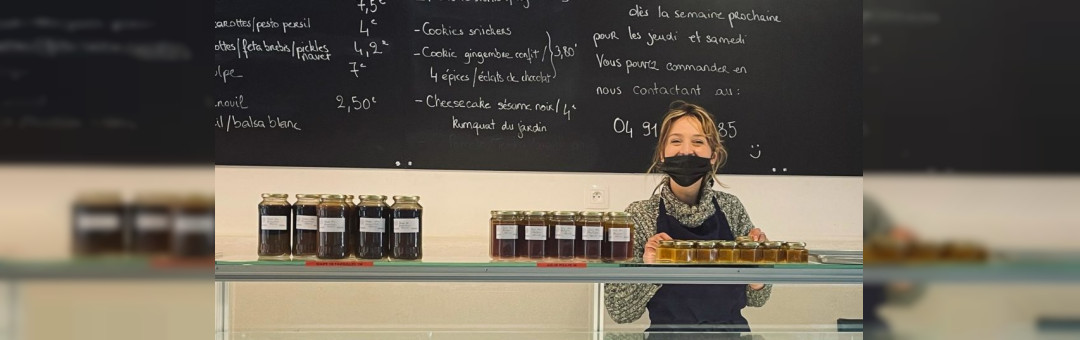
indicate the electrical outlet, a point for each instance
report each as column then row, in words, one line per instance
column 596, row 197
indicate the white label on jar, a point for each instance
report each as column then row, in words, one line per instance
column 151, row 222
column 332, row 225
column 195, row 224
column 619, row 234
column 275, row 223
column 564, row 232
column 506, row 232
column 407, row 225
column 306, row 222
column 98, row 222
column 592, row 233
column 535, row 233
column 372, row 225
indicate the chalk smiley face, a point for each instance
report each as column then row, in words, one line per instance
column 756, row 147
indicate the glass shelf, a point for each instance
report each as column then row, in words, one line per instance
column 107, row 268
column 1002, row 267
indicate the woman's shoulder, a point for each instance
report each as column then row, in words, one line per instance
column 645, row 209
column 728, row 201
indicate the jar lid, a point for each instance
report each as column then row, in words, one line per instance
column 334, row 197
column 372, row 197
column 282, row 196
column 705, row 244
column 618, row 214
column 307, row 196
column 667, row 243
column 749, row 244
column 565, row 213
column 504, row 212
column 684, row 244
column 795, row 244
column 536, row 213
column 592, row 214
column 404, row 198
column 727, row 244
column 772, row 244
column 743, row 239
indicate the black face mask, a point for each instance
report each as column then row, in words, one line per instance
column 686, row 170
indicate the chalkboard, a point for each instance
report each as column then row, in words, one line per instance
column 565, row 85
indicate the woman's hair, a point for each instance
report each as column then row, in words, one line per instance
column 679, row 109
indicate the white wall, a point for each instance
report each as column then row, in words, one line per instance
column 826, row 212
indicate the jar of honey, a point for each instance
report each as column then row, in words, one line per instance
column 562, row 235
column 373, row 216
column 591, row 235
column 406, row 240
column 305, row 225
column 274, row 215
column 725, row 251
column 504, row 234
column 684, row 252
column 98, row 224
column 665, row 253
column 797, row 253
column 771, row 251
column 749, row 252
column 705, row 252
column 193, row 228
column 332, row 212
column 152, row 220
column 619, row 237
column 536, row 231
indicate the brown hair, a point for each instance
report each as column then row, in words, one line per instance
column 679, row 109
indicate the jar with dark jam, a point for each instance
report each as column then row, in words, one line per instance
column 536, row 231
column 665, row 253
column 98, row 224
column 684, row 252
column 749, row 252
column 771, row 251
column 619, row 237
column 504, row 234
column 274, row 215
column 797, row 253
column 331, row 212
column 406, row 241
column 305, row 225
column 151, row 220
column 591, row 235
column 705, row 252
column 562, row 235
column 373, row 218
column 725, row 251
column 193, row 228
column 351, row 225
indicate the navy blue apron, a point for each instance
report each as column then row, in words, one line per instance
column 697, row 307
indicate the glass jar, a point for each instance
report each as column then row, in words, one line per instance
column 151, row 220
column 407, row 241
column 749, row 252
column 372, row 220
column 306, row 225
column 351, row 225
column 274, row 215
column 619, row 237
column 536, row 231
column 591, row 235
column 504, row 234
column 705, row 252
column 797, row 252
column 98, row 223
column 332, row 212
column 771, row 252
column 562, row 235
column 665, row 253
column 725, row 251
column 684, row 252
column 193, row 228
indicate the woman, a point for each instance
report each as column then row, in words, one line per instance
column 690, row 152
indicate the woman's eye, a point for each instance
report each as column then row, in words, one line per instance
column 699, row 142
column 675, row 141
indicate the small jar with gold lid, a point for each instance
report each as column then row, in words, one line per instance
column 705, row 252
column 771, row 251
column 725, row 251
column 749, row 252
column 684, row 252
column 797, row 253
column 666, row 252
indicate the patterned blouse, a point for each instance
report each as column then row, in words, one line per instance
column 626, row 302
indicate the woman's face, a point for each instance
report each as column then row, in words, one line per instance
column 687, row 138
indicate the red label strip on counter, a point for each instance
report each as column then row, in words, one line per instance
column 338, row 264
column 560, row 265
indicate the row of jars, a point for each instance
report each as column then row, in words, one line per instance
column 742, row 251
column 886, row 250
column 563, row 235
column 153, row 224
column 332, row 226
